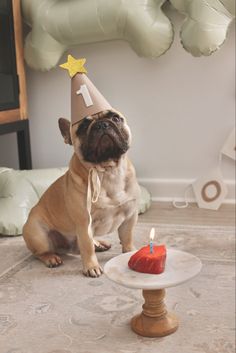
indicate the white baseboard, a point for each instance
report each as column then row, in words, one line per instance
column 174, row 189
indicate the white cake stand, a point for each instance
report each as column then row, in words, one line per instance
column 155, row 320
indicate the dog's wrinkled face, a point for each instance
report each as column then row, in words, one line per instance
column 103, row 137
column 99, row 138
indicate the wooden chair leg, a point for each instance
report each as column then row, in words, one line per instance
column 24, row 151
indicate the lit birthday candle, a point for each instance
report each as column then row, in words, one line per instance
column 152, row 235
column 150, row 258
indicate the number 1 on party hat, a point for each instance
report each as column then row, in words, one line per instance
column 86, row 99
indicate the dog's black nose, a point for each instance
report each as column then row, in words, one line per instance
column 102, row 125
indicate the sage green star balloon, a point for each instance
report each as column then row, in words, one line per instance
column 206, row 24
column 59, row 25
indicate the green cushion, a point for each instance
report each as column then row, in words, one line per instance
column 21, row 190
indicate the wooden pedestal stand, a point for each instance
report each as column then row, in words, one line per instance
column 154, row 321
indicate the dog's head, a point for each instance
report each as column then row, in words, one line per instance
column 98, row 138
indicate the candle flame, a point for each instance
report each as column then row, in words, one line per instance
column 152, row 234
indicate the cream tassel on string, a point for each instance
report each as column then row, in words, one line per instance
column 93, row 192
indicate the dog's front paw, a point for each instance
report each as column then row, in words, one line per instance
column 94, row 271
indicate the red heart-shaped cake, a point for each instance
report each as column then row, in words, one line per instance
column 146, row 262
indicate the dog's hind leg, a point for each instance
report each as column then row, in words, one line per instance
column 38, row 241
column 101, row 245
column 50, row 259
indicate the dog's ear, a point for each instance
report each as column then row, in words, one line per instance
column 64, row 126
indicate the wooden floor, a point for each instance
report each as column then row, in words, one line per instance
column 166, row 213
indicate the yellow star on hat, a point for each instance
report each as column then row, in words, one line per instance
column 74, row 66
column 86, row 100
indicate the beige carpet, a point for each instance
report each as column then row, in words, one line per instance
column 59, row 311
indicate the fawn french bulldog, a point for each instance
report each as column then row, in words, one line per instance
column 97, row 195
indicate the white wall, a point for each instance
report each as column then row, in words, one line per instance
column 180, row 110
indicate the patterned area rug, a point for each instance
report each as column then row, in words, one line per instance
column 58, row 310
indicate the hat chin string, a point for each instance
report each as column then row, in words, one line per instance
column 93, row 192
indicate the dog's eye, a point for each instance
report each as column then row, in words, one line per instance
column 83, row 125
column 116, row 118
